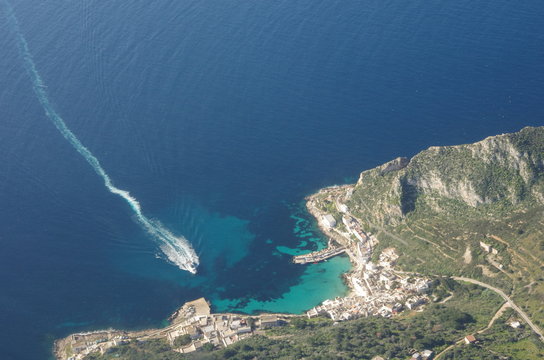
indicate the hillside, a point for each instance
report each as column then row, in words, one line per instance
column 443, row 324
column 498, row 173
column 468, row 219
column 474, row 210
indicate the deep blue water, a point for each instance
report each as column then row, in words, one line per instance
column 220, row 116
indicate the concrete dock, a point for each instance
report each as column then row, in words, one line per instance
column 320, row 255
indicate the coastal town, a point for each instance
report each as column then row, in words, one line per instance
column 377, row 289
column 193, row 323
column 476, row 301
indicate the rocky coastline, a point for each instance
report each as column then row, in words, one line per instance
column 195, row 319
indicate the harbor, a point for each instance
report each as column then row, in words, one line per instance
column 330, row 251
column 377, row 288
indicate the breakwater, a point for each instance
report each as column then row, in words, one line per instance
column 321, row 255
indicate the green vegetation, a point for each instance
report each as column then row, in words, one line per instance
column 437, row 211
column 501, row 341
column 155, row 349
column 182, row 340
column 515, row 343
column 449, row 199
column 468, row 310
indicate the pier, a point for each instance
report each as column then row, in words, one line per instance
column 320, row 255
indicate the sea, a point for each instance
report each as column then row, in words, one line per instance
column 220, row 117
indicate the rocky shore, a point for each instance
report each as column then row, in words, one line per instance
column 376, row 288
column 193, row 322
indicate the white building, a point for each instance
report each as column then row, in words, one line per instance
column 427, row 354
column 359, row 288
column 329, row 221
column 485, row 246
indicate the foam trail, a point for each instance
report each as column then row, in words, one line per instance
column 177, row 249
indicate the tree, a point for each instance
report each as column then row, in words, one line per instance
column 299, row 322
column 182, row 340
column 208, row 347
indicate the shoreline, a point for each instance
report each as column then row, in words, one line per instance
column 370, row 294
column 375, row 288
column 193, row 319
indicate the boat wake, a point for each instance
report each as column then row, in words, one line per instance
column 176, row 248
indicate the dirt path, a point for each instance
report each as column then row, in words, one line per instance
column 525, row 252
column 443, row 244
column 521, row 313
column 486, row 271
column 497, row 315
column 436, row 246
column 446, row 299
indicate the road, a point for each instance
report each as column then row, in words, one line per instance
column 497, row 315
column 521, row 313
column 461, row 340
column 501, row 293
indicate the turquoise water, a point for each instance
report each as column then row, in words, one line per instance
column 219, row 118
column 227, row 242
column 307, row 233
column 317, row 283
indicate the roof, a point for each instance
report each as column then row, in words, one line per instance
column 470, row 338
column 269, row 318
column 329, row 219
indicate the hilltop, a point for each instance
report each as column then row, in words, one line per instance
column 500, row 173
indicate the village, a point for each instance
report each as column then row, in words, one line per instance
column 193, row 323
column 377, row 288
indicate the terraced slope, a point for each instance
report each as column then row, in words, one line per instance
column 472, row 210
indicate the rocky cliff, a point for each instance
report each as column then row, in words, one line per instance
column 503, row 170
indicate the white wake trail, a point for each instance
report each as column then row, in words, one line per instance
column 177, row 249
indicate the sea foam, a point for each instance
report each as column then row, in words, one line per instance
column 176, row 248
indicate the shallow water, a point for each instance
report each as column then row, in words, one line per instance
column 220, row 117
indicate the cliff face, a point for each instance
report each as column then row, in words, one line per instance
column 506, row 169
